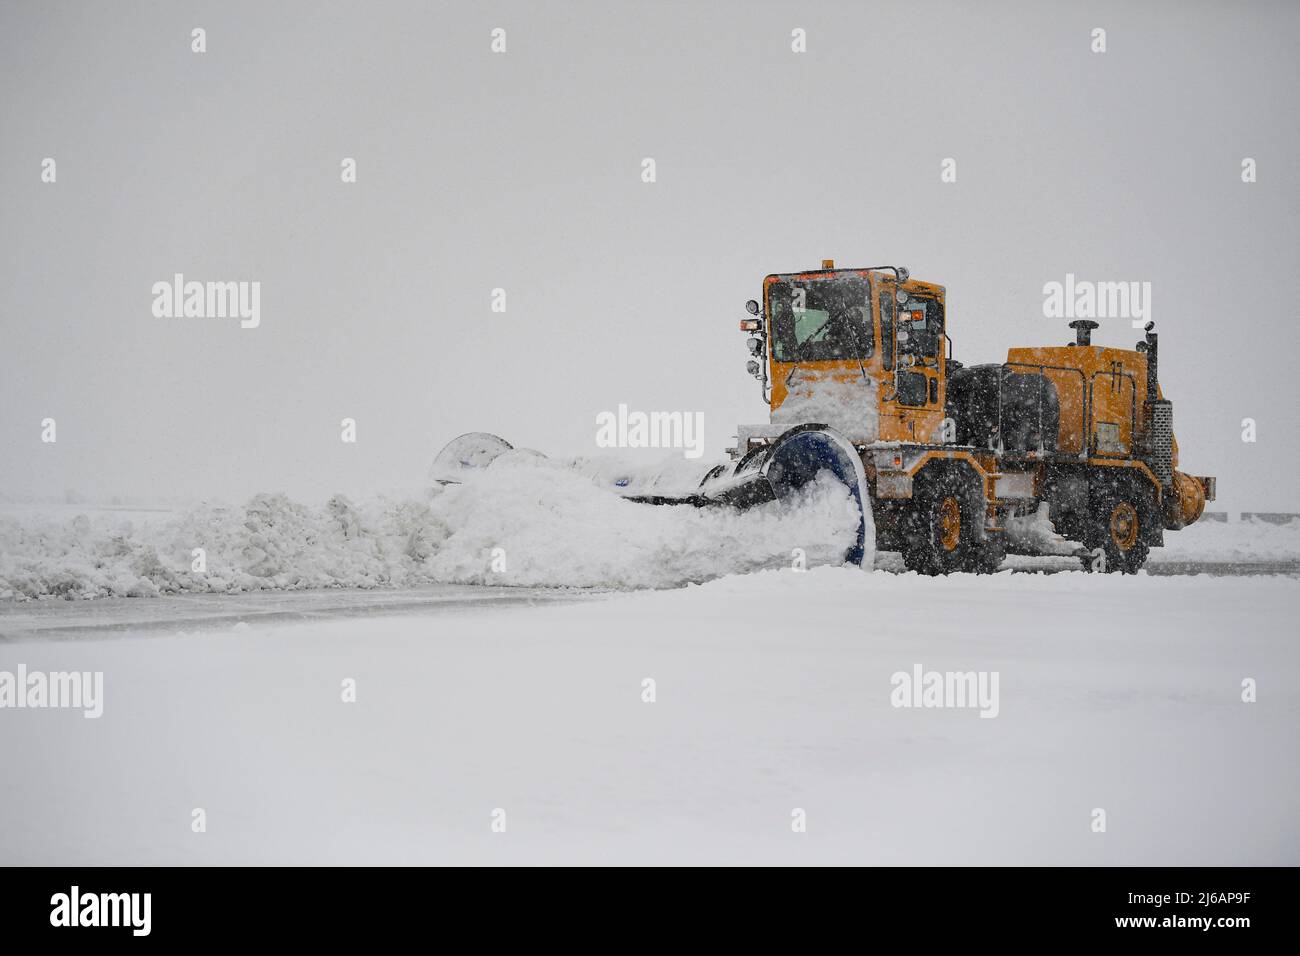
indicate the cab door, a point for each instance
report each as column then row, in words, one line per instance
column 912, row 345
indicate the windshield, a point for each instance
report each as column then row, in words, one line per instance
column 820, row 319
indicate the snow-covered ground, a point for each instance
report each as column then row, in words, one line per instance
column 772, row 693
column 1242, row 541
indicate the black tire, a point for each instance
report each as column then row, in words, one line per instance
column 987, row 558
column 943, row 528
column 1119, row 513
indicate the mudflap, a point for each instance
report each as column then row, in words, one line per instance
column 775, row 471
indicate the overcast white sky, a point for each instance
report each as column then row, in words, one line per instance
column 522, row 171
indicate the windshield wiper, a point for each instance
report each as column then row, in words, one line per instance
column 808, row 340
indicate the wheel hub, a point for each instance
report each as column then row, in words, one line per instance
column 1124, row 526
column 949, row 523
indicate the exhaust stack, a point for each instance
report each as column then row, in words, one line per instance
column 1083, row 331
column 1160, row 417
column 1150, row 348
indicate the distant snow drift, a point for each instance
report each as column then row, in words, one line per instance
column 527, row 523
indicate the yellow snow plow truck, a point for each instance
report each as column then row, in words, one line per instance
column 948, row 454
column 856, row 367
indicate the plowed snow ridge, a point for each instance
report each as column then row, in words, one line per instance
column 552, row 526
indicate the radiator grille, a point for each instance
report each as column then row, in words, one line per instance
column 1161, row 440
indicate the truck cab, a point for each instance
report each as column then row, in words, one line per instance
column 876, row 329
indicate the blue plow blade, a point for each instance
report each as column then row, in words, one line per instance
column 775, row 471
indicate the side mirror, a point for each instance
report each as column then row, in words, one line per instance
column 751, row 307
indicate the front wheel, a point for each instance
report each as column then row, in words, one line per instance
column 944, row 528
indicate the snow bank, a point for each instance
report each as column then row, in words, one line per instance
column 1035, row 534
column 521, row 522
column 556, row 523
column 559, row 529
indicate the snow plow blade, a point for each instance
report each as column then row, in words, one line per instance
column 775, row 471
column 772, row 472
column 461, row 457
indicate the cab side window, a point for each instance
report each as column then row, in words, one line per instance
column 920, row 328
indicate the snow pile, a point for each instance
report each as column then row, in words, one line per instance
column 1035, row 534
column 557, row 528
column 848, row 406
column 521, row 522
column 271, row 542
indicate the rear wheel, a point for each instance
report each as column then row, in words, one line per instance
column 1119, row 512
column 944, row 527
